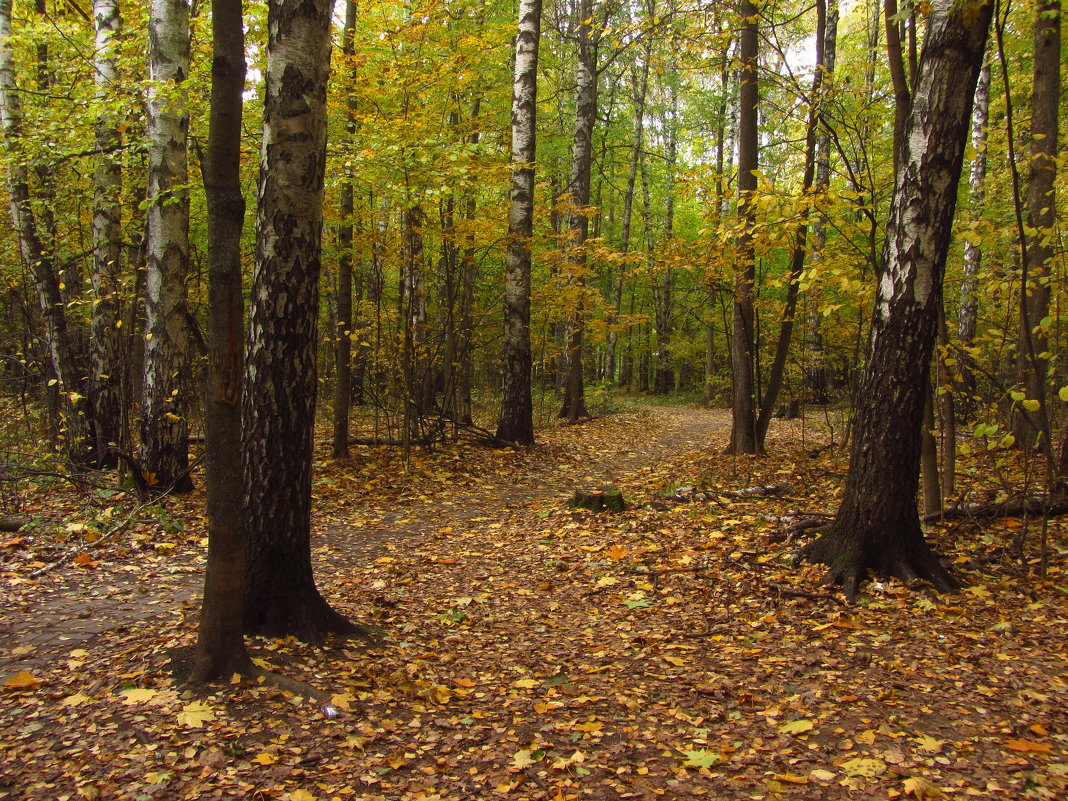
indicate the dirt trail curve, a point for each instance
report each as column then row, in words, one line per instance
column 42, row 621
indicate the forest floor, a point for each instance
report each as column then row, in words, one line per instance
column 528, row 651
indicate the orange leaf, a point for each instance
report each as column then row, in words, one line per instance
column 617, row 553
column 85, row 560
column 1028, row 746
column 463, row 682
column 13, row 542
column 22, row 681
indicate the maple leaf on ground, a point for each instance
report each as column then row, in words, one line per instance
column 195, row 714
column 700, row 758
column 23, row 680
column 922, row 789
column 1028, row 747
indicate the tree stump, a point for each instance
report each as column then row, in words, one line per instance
column 598, row 500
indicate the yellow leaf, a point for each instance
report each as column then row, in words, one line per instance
column 195, row 714
column 592, row 726
column 866, row 737
column 522, row 759
column 342, row 700
column 822, row 775
column 1031, row 405
column 864, row 767
column 22, row 681
column 137, row 696
column 526, row 684
column 675, row 661
column 791, row 778
column 264, row 758
column 922, row 789
column 617, row 553
column 301, row 795
column 75, row 700
column 796, row 727
column 929, row 743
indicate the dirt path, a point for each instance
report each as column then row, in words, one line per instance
column 69, row 608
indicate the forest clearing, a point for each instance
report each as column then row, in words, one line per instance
column 525, row 650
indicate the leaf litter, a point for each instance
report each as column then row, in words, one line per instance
column 529, row 651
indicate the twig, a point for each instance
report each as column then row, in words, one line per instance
column 816, row 596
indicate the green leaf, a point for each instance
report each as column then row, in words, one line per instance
column 700, row 758
column 1062, row 393
column 1031, row 405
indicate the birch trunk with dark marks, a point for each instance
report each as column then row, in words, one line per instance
column 343, row 350
column 1031, row 422
column 278, row 409
column 517, row 411
column 578, row 191
column 877, row 527
column 107, row 379
column 220, row 650
column 968, row 311
column 165, row 408
column 743, row 397
column 59, row 333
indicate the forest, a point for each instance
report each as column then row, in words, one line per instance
column 543, row 399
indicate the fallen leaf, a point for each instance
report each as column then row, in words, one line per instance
column 922, row 789
column 85, row 560
column 264, row 758
column 522, row 759
column 929, row 743
column 1028, row 747
column 463, row 682
column 617, row 553
column 791, row 778
column 74, row 700
column 700, row 758
column 861, row 766
column 140, row 695
column 797, row 727
column 195, row 714
column 22, row 681
column 526, row 684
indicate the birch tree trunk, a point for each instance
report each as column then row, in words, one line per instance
column 743, row 403
column 165, row 409
column 220, row 650
column 877, row 527
column 107, row 379
column 60, row 334
column 278, row 410
column 517, row 411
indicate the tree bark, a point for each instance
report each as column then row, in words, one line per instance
column 165, row 409
column 574, row 405
column 59, row 334
column 877, row 526
column 278, row 409
column 343, row 351
column 107, row 379
column 517, row 411
column 1031, row 425
column 220, row 649
column 743, row 402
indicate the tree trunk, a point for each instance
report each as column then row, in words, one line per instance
column 60, row 336
column 278, row 411
column 1031, row 425
column 877, row 527
column 343, row 351
column 663, row 284
column 164, row 412
column 574, row 405
column 797, row 261
column 107, row 380
column 517, row 410
column 743, row 351
column 967, row 315
column 220, row 649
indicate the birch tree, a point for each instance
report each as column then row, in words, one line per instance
column 278, row 410
column 877, row 527
column 165, row 409
column 517, row 416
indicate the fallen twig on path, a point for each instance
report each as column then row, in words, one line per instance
column 815, row 596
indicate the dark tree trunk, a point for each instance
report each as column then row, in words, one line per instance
column 517, row 411
column 278, row 411
column 743, row 345
column 1031, row 421
column 220, row 650
column 343, row 351
column 574, row 405
column 877, row 527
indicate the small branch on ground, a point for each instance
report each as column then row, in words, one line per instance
column 815, row 596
